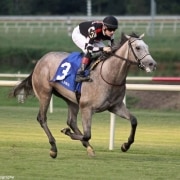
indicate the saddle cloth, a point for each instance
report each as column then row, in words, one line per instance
column 66, row 72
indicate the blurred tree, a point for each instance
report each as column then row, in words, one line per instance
column 98, row 6
column 114, row 7
column 57, row 7
column 6, row 7
column 22, row 7
column 138, row 7
column 78, row 7
column 168, row 7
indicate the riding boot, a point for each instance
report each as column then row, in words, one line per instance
column 80, row 76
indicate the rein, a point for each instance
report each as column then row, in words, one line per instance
column 140, row 65
column 112, row 84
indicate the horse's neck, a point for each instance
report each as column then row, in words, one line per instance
column 117, row 69
column 123, row 64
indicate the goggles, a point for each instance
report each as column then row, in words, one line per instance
column 111, row 29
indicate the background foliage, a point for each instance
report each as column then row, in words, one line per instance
column 99, row 7
column 19, row 51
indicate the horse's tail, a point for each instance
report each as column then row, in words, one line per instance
column 23, row 89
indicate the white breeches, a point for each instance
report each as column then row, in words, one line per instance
column 81, row 40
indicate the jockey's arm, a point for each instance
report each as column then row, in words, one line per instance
column 91, row 49
column 90, row 43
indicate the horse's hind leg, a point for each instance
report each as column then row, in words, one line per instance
column 123, row 112
column 42, row 119
column 72, row 123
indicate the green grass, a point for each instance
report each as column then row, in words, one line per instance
column 24, row 147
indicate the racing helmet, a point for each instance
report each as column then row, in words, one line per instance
column 111, row 22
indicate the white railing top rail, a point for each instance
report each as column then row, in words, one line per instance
column 129, row 78
column 64, row 18
column 14, row 75
column 139, row 87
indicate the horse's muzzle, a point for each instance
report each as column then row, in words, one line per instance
column 148, row 65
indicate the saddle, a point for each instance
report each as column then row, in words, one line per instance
column 66, row 72
column 102, row 56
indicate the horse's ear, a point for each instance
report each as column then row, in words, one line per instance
column 141, row 36
column 127, row 36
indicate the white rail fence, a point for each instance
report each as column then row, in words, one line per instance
column 54, row 23
column 137, row 87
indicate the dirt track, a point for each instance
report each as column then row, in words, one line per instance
column 155, row 99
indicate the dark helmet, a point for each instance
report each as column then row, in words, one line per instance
column 110, row 22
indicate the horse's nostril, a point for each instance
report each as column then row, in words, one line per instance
column 150, row 64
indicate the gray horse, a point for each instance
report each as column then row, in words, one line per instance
column 105, row 92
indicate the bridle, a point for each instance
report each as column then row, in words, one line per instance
column 138, row 61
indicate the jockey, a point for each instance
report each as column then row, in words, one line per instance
column 88, row 36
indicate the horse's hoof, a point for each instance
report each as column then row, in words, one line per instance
column 123, row 148
column 90, row 151
column 66, row 131
column 53, row 154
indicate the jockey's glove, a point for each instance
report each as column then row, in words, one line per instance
column 107, row 49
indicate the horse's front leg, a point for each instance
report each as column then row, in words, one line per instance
column 73, row 110
column 125, row 146
column 86, row 114
column 123, row 112
column 77, row 135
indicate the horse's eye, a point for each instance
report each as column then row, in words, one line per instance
column 138, row 48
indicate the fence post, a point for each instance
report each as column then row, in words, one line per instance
column 69, row 26
column 112, row 127
column 112, row 134
column 51, row 105
column 20, row 96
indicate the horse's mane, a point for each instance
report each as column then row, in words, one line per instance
column 123, row 39
column 117, row 45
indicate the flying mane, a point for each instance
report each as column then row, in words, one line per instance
column 117, row 45
column 123, row 39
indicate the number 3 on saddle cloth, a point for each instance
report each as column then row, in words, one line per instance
column 66, row 72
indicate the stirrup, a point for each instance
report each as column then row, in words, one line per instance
column 83, row 78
